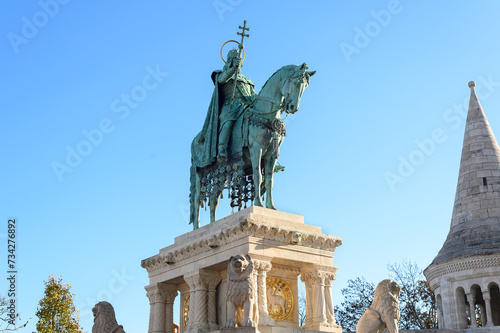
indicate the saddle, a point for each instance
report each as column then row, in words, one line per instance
column 239, row 134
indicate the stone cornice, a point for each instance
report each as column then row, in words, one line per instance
column 153, row 263
column 245, row 228
column 435, row 271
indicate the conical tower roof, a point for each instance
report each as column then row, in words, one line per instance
column 475, row 222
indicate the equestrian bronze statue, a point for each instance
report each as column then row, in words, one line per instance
column 239, row 143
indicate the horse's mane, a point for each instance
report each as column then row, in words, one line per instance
column 285, row 68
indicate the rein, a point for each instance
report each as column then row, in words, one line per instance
column 280, row 107
column 266, row 100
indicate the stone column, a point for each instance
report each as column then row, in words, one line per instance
column 151, row 314
column 319, row 317
column 169, row 292
column 261, row 268
column 212, row 282
column 472, row 310
column 309, row 300
column 489, row 316
column 202, row 303
column 157, row 295
column 482, row 314
column 197, row 303
column 319, row 305
column 330, row 315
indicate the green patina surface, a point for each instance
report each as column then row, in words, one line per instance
column 238, row 147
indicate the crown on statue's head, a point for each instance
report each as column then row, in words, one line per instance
column 232, row 54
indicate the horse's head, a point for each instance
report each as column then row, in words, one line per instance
column 294, row 85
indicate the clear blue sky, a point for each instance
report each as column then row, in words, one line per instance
column 389, row 75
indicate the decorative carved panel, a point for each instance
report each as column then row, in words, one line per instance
column 279, row 299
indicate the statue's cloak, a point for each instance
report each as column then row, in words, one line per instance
column 204, row 151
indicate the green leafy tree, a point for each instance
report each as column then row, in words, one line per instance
column 416, row 301
column 56, row 311
column 357, row 297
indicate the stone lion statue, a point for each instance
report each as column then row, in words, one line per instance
column 384, row 310
column 241, row 293
column 104, row 319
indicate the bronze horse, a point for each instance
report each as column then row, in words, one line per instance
column 258, row 136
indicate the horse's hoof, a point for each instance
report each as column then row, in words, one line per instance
column 258, row 204
column 270, row 205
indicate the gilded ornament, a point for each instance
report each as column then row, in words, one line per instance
column 279, row 299
column 185, row 311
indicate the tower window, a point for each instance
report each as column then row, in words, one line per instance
column 485, row 183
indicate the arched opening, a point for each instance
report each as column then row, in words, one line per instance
column 495, row 303
column 182, row 314
column 439, row 301
column 176, row 314
column 478, row 306
column 462, row 307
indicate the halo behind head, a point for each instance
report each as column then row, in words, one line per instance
column 222, row 57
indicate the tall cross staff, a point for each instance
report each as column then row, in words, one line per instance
column 238, row 68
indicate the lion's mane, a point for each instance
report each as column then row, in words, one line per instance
column 105, row 319
column 385, row 299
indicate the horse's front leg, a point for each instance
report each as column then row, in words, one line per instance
column 255, row 156
column 269, row 164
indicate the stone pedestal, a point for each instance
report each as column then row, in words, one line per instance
column 281, row 247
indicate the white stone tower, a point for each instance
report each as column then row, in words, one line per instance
column 465, row 275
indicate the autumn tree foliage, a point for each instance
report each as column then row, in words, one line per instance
column 56, row 311
column 416, row 301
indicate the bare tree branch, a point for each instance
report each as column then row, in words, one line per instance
column 6, row 320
